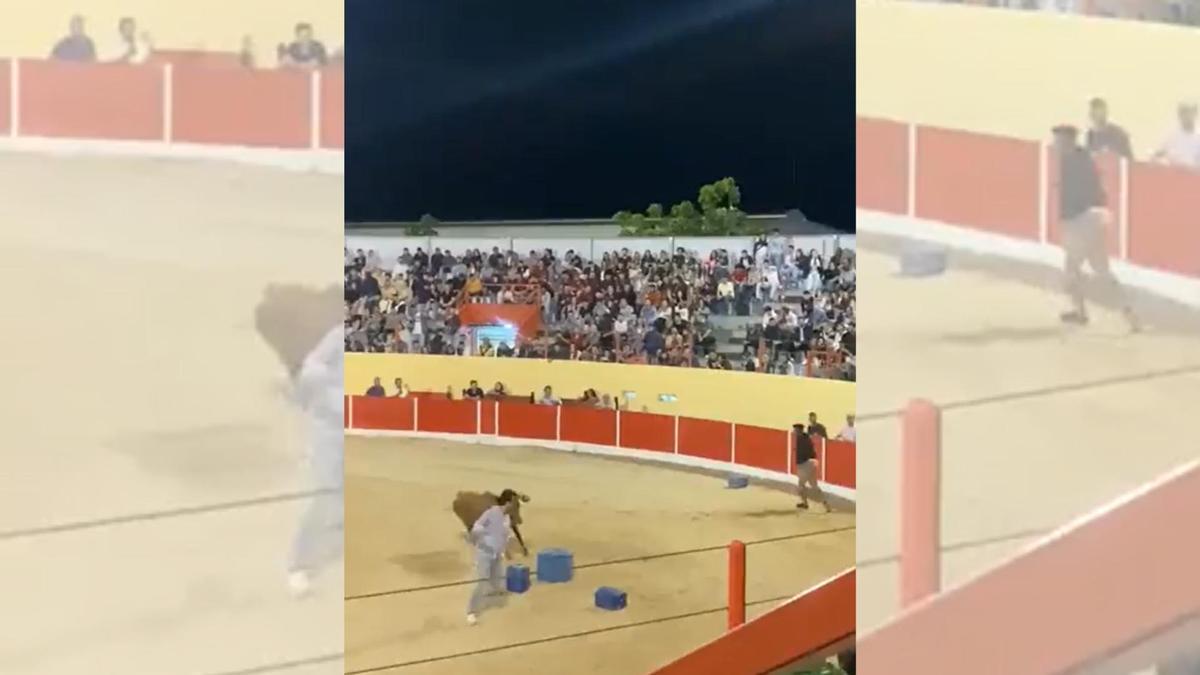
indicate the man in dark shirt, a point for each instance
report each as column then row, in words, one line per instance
column 1083, row 220
column 305, row 51
column 815, row 428
column 76, row 46
column 806, row 469
column 1104, row 136
column 474, row 391
column 376, row 389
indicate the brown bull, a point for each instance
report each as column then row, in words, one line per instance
column 292, row 319
column 469, row 506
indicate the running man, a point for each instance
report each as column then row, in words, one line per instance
column 806, row 469
column 489, row 535
column 1084, row 221
column 317, row 390
column 469, row 506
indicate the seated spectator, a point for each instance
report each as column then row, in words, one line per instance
column 246, row 53
column 401, row 389
column 376, row 389
column 1182, row 147
column 76, row 46
column 505, row 350
column 498, row 390
column 548, row 397
column 135, row 47
column 473, row 391
column 304, row 51
column 848, row 433
column 485, row 348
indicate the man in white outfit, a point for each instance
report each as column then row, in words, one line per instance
column 317, row 390
column 489, row 534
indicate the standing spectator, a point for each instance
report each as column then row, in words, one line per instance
column 1182, row 147
column 815, row 428
column 376, row 389
column 305, row 51
column 1104, row 135
column 806, row 469
column 135, row 47
column 548, row 397
column 1083, row 220
column 848, row 433
column 76, row 46
column 246, row 53
column 401, row 389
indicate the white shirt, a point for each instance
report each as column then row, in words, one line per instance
column 848, row 434
column 320, row 382
column 1182, row 148
column 141, row 50
column 490, row 532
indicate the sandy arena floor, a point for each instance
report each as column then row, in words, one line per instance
column 136, row 385
column 401, row 534
column 1045, row 423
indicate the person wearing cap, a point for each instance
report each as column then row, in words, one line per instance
column 1182, row 147
column 1103, row 135
column 806, row 469
column 1083, row 221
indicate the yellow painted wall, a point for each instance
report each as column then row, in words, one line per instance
column 1018, row 73
column 751, row 398
column 32, row 28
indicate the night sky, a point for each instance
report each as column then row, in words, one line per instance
column 516, row 109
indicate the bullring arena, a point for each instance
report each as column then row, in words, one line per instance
column 1034, row 517
column 641, row 502
column 153, row 477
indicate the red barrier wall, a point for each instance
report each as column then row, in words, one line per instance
column 333, row 106
column 111, row 101
column 441, row 415
column 487, row 416
column 762, row 447
column 259, row 108
column 706, row 438
column 1164, row 204
column 383, row 413
column 975, row 180
column 5, row 101
column 841, row 463
column 881, row 156
column 209, row 103
column 757, row 447
column 990, row 184
column 807, row 625
column 528, row 420
column 589, row 425
column 647, row 431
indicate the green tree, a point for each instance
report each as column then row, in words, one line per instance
column 425, row 227
column 719, row 213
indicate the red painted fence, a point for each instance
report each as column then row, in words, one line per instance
column 1005, row 186
column 182, row 102
column 685, row 437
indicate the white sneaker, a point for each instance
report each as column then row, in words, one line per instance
column 299, row 584
column 472, row 619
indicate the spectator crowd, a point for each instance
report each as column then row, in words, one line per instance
column 1182, row 12
column 625, row 306
column 134, row 45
